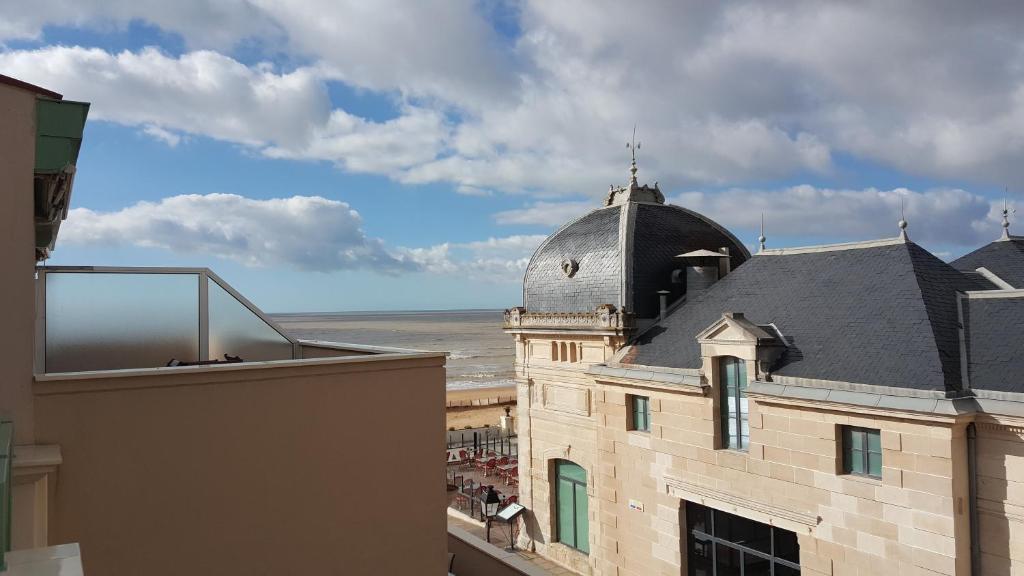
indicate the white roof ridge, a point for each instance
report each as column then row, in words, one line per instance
column 833, row 247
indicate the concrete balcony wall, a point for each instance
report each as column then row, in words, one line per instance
column 17, row 257
column 475, row 557
column 253, row 468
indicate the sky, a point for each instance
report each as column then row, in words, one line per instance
column 330, row 155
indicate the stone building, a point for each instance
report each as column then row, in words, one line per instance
column 686, row 407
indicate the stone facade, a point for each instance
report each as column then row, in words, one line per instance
column 915, row 519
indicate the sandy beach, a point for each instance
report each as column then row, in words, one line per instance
column 475, row 407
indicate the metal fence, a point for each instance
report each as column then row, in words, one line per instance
column 487, row 439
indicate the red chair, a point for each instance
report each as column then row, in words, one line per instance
column 510, row 500
column 490, row 467
column 510, row 474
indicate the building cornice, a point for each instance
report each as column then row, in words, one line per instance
column 605, row 320
column 686, row 380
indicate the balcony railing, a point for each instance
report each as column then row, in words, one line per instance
column 604, row 318
column 119, row 318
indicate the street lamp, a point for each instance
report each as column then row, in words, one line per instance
column 491, row 503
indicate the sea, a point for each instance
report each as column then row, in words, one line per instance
column 480, row 354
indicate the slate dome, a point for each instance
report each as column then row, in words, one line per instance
column 622, row 254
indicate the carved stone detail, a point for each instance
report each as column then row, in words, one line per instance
column 605, row 317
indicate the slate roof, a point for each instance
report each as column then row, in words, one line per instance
column 1004, row 258
column 995, row 343
column 883, row 315
column 654, row 235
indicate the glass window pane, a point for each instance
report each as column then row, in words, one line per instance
column 857, row 461
column 700, row 559
column 728, row 368
column 111, row 321
column 743, row 531
column 237, row 331
column 582, row 521
column 874, row 464
column 697, row 517
column 786, row 546
column 874, row 441
column 727, row 560
column 754, row 564
column 566, row 520
column 858, row 440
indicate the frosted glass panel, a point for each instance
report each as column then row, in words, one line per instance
column 237, row 331
column 108, row 321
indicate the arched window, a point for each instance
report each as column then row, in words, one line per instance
column 732, row 383
column 554, row 351
column 571, row 505
column 565, row 353
column 572, row 352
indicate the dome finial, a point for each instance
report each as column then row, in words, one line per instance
column 633, row 146
column 1006, row 220
column 903, row 222
column 761, row 238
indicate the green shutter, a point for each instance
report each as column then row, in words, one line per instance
column 566, row 530
column 874, row 450
column 582, row 521
column 571, row 506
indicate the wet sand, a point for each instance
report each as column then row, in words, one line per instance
column 480, row 377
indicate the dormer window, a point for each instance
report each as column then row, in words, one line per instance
column 732, row 374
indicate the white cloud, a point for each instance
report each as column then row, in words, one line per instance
column 552, row 214
column 495, row 260
column 165, row 136
column 940, row 216
column 724, row 93
column 303, row 232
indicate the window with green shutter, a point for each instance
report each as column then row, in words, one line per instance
column 640, row 413
column 732, row 384
column 862, row 451
column 571, row 505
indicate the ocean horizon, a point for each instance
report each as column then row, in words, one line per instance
column 480, row 354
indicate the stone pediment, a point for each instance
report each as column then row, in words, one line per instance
column 733, row 328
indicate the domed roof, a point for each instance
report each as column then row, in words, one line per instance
column 622, row 254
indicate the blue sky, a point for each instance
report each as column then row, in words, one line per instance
column 411, row 155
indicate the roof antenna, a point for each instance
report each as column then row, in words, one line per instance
column 633, row 146
column 903, row 222
column 1006, row 219
column 761, row 238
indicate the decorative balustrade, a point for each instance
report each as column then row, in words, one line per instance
column 605, row 317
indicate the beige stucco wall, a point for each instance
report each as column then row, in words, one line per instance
column 912, row 521
column 236, row 470
column 17, row 258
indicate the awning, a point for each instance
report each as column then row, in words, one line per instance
column 59, row 127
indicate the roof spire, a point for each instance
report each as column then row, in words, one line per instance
column 761, row 238
column 1006, row 220
column 633, row 146
column 903, row 222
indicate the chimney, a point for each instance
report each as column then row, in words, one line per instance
column 704, row 268
column 699, row 278
column 662, row 303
